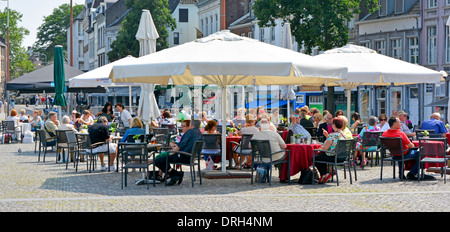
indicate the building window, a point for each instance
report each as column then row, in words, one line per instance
column 413, row 50
column 250, row 35
column 176, row 38
column 183, row 15
column 383, row 8
column 212, row 25
column 380, row 47
column 272, row 33
column 399, row 6
column 365, row 43
column 447, row 44
column 396, row 48
column 206, row 30
column 431, row 45
column 261, row 34
column 432, row 3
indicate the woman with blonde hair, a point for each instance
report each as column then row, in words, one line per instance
column 318, row 119
column 137, row 128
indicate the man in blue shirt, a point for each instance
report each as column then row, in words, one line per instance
column 186, row 144
column 434, row 124
column 298, row 129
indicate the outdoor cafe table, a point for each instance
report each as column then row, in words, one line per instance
column 301, row 158
column 435, row 146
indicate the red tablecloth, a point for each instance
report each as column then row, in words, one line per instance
column 431, row 147
column 284, row 134
column 448, row 137
column 301, row 158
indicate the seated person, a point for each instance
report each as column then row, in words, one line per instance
column 330, row 145
column 50, row 127
column 99, row 132
column 325, row 128
column 276, row 142
column 403, row 116
column 435, row 124
column 166, row 119
column 394, row 131
column 348, row 134
column 23, row 117
column 136, row 128
column 211, row 128
column 186, row 144
column 36, row 121
column 249, row 128
column 298, row 129
column 65, row 124
column 372, row 127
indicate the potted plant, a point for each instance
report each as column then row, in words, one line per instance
column 425, row 133
column 298, row 138
column 137, row 138
column 231, row 131
column 112, row 127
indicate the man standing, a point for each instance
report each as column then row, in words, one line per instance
column 402, row 115
column 99, row 132
column 125, row 115
column 395, row 124
column 435, row 124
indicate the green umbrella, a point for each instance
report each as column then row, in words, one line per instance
column 59, row 77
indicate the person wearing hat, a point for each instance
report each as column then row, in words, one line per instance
column 434, row 123
column 404, row 128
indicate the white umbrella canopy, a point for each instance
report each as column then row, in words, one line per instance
column 147, row 35
column 98, row 76
column 287, row 92
column 367, row 67
column 224, row 58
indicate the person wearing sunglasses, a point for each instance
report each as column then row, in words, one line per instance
column 383, row 122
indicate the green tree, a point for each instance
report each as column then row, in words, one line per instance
column 126, row 43
column 19, row 62
column 320, row 23
column 53, row 31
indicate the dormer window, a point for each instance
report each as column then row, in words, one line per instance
column 383, row 8
column 399, row 6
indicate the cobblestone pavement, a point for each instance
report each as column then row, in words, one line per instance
column 28, row 185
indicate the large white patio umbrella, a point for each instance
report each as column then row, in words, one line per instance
column 223, row 59
column 288, row 93
column 146, row 35
column 367, row 67
column 98, row 76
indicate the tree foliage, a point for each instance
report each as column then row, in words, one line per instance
column 19, row 62
column 126, row 43
column 319, row 23
column 53, row 31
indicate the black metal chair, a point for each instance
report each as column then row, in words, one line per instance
column 343, row 153
column 172, row 128
column 262, row 155
column 82, row 145
column 133, row 150
column 371, row 139
column 243, row 147
column 395, row 147
column 65, row 139
column 35, row 128
column 194, row 159
column 44, row 143
column 211, row 145
column 431, row 133
column 91, row 154
column 9, row 129
column 427, row 155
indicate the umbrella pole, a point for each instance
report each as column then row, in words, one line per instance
column 349, row 98
column 224, row 128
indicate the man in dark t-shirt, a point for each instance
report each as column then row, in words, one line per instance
column 99, row 132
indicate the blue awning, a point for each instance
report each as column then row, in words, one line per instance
column 266, row 103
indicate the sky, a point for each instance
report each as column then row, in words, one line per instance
column 33, row 12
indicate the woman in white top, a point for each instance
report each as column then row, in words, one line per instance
column 65, row 124
column 86, row 118
column 383, row 122
column 22, row 116
column 276, row 141
column 13, row 117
